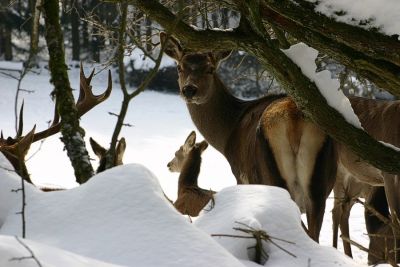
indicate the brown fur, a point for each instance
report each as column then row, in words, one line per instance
column 244, row 132
column 101, row 153
column 382, row 121
column 346, row 190
column 191, row 198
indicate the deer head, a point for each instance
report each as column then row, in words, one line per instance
column 182, row 154
column 101, row 153
column 196, row 71
column 15, row 149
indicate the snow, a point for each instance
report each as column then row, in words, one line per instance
column 121, row 217
column 109, row 218
column 272, row 210
column 383, row 14
column 141, row 62
column 304, row 57
column 11, row 250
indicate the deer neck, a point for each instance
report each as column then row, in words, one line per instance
column 189, row 173
column 217, row 117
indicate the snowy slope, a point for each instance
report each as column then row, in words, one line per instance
column 119, row 216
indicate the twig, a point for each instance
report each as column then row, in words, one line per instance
column 32, row 256
column 373, row 211
column 359, row 246
column 259, row 236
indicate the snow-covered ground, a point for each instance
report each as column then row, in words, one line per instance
column 121, row 214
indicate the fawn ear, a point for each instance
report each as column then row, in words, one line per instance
column 203, row 146
column 172, row 46
column 190, row 141
column 97, row 149
column 119, row 154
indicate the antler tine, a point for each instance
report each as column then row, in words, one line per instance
column 21, row 120
column 87, row 100
column 56, row 118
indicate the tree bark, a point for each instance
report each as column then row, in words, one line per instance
column 32, row 60
column 76, row 45
column 72, row 134
column 305, row 93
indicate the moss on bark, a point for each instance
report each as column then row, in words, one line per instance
column 72, row 134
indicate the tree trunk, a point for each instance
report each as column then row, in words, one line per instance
column 75, row 35
column 72, row 134
column 8, row 52
column 32, row 60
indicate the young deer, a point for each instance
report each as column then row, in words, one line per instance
column 191, row 198
column 15, row 149
column 266, row 141
column 101, row 153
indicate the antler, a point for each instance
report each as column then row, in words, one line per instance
column 15, row 149
column 86, row 101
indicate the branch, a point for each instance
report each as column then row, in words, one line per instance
column 370, row 42
column 304, row 92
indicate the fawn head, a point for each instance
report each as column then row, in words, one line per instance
column 182, row 154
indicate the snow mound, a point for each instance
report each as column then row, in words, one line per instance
column 11, row 250
column 272, row 210
column 119, row 216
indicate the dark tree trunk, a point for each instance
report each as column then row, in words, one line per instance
column 8, row 52
column 72, row 134
column 75, row 35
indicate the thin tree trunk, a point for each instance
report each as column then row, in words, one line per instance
column 72, row 134
column 34, row 34
column 76, row 46
column 8, row 53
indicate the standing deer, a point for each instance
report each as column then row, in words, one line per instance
column 266, row 141
column 381, row 120
column 15, row 149
column 191, row 198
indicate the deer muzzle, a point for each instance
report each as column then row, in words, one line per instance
column 189, row 91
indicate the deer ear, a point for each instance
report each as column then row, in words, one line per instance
column 172, row 46
column 222, row 55
column 203, row 145
column 190, row 141
column 120, row 151
column 97, row 149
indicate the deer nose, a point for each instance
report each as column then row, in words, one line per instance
column 189, row 91
column 169, row 164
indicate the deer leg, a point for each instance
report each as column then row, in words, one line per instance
column 315, row 215
column 336, row 215
column 344, row 226
column 392, row 191
column 322, row 181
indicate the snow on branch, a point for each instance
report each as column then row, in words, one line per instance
column 304, row 57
